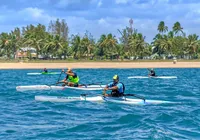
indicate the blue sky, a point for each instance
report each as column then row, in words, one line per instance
column 102, row 16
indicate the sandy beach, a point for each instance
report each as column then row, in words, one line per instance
column 100, row 65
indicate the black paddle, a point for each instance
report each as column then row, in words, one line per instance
column 59, row 78
column 148, row 71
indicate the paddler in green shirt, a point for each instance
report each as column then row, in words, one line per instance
column 71, row 79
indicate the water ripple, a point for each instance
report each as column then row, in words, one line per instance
column 24, row 118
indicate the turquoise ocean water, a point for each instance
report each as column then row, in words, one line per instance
column 21, row 117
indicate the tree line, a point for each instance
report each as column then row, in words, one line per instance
column 54, row 42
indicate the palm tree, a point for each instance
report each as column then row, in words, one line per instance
column 14, row 43
column 31, row 40
column 192, row 44
column 5, row 45
column 87, row 46
column 76, row 46
column 158, row 36
column 162, row 28
column 137, row 44
column 15, row 37
column 147, row 50
column 65, row 49
column 166, row 45
column 120, row 51
column 163, row 44
column 108, row 45
column 54, row 45
column 125, row 36
column 100, row 50
column 177, row 28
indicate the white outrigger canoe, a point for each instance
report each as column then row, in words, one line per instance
column 156, row 77
column 46, row 87
column 44, row 73
column 122, row 100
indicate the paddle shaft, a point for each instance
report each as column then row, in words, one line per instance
column 59, row 77
column 149, row 70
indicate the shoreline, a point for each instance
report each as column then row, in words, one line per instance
column 85, row 65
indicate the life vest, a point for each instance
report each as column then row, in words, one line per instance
column 153, row 73
column 117, row 93
column 73, row 79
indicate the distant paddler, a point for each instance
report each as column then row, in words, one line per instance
column 71, row 79
column 151, row 72
column 45, row 70
column 117, row 88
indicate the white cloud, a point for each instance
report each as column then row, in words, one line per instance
column 38, row 2
column 35, row 14
column 102, row 21
column 146, row 16
column 121, row 1
column 99, row 3
column 96, row 27
column 64, row 3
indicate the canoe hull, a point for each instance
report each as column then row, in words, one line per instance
column 156, row 77
column 43, row 73
column 46, row 87
column 120, row 100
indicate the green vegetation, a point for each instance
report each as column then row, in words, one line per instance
column 55, row 43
